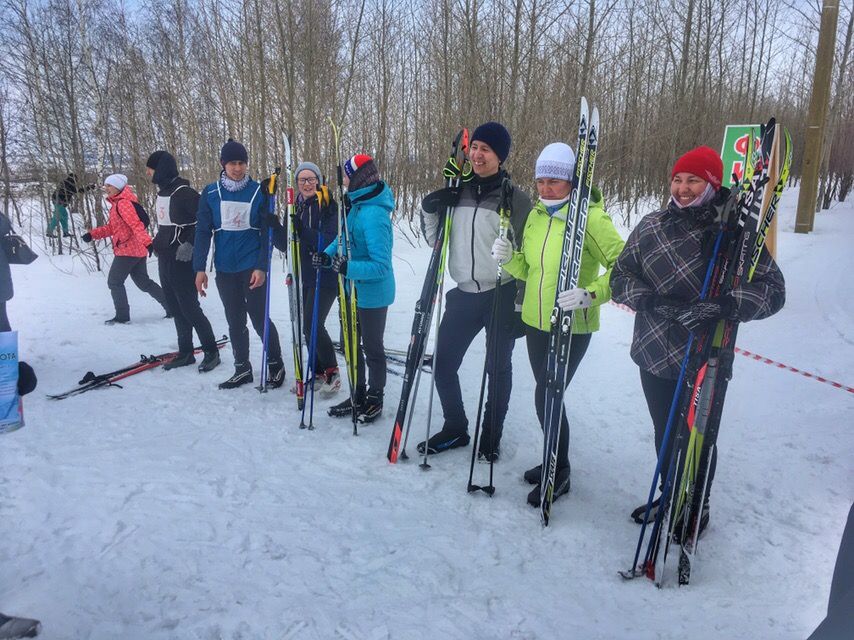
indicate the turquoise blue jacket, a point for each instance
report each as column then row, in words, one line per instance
column 369, row 224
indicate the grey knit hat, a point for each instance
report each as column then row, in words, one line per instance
column 302, row 166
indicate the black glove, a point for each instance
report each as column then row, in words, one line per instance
column 320, row 260
column 339, row 265
column 86, row 237
column 151, row 250
column 696, row 315
column 298, row 226
column 273, row 220
column 447, row 197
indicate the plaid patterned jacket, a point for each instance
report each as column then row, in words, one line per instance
column 667, row 255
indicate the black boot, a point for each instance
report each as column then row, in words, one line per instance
column 561, row 487
column 345, row 409
column 210, row 361
column 704, row 522
column 488, row 448
column 275, row 374
column 11, row 627
column 242, row 375
column 372, row 408
column 637, row 514
column 448, row 438
column 182, row 360
column 117, row 320
column 534, row 474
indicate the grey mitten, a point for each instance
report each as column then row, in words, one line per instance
column 184, row 252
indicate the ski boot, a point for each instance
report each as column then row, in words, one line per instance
column 181, row 360
column 637, row 514
column 330, row 382
column 345, row 409
column 11, row 627
column 242, row 375
column 447, row 438
column 117, row 320
column 534, row 474
column 372, row 407
column 275, row 374
column 561, row 487
column 487, row 449
column 210, row 361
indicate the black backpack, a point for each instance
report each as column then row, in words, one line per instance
column 142, row 214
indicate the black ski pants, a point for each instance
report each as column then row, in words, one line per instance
column 178, row 281
column 325, row 351
column 371, row 349
column 465, row 315
column 137, row 269
column 538, row 354
column 659, row 396
column 238, row 300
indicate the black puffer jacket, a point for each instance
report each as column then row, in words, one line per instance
column 176, row 207
column 667, row 254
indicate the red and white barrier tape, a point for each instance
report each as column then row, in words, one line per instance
column 773, row 363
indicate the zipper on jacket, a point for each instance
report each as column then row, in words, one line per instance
column 543, row 269
column 473, row 216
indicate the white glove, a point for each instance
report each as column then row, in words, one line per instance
column 573, row 299
column 184, row 253
column 502, row 250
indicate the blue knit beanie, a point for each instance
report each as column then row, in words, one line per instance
column 233, row 152
column 496, row 136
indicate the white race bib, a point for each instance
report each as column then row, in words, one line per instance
column 235, row 216
column 162, row 209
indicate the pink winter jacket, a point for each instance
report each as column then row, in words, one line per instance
column 129, row 236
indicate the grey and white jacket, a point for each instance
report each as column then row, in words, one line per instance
column 474, row 229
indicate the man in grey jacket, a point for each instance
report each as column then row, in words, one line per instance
column 468, row 307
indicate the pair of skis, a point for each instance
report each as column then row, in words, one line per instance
column 347, row 306
column 560, row 334
column 431, row 290
column 707, row 365
column 92, row 381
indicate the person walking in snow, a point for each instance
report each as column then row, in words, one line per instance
column 131, row 246
column 316, row 223
column 369, row 271
column 537, row 262
column 231, row 211
column 468, row 307
column 660, row 274
column 61, row 198
column 176, row 208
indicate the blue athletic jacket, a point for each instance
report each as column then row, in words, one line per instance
column 234, row 251
column 371, row 238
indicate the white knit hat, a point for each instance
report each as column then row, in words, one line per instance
column 557, row 160
column 117, row 180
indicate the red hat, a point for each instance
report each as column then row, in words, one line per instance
column 703, row 162
column 355, row 163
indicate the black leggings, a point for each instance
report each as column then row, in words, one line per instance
column 372, row 348
column 538, row 354
column 659, row 396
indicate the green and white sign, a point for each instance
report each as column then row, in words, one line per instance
column 735, row 144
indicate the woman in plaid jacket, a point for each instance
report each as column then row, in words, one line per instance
column 660, row 274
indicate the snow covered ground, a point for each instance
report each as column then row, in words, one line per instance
column 170, row 509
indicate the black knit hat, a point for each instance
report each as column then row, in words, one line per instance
column 496, row 136
column 233, row 152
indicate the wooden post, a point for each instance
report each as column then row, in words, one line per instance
column 817, row 117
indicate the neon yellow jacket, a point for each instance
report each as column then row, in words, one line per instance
column 538, row 262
